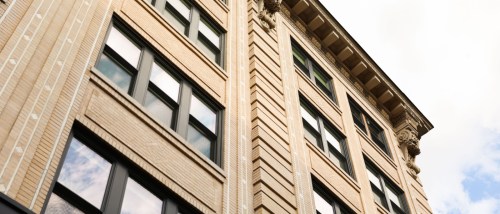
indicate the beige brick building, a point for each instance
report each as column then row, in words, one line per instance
column 198, row 106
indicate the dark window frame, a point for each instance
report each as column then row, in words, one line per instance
column 122, row 169
column 338, row 206
column 309, row 69
column 9, row 205
column 368, row 126
column 386, row 183
column 324, row 125
column 141, row 84
column 191, row 30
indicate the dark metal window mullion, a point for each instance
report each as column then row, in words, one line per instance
column 322, row 134
column 170, row 207
column 384, row 190
column 219, row 142
column 194, row 25
column 310, row 68
column 116, row 189
column 142, row 77
column 183, row 112
column 160, row 5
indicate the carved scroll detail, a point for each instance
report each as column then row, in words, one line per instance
column 267, row 10
column 409, row 142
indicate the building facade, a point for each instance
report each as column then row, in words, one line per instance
column 198, row 106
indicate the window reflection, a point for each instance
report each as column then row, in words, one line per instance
column 115, row 72
column 124, row 47
column 203, row 113
column 137, row 199
column 322, row 206
column 307, row 116
column 57, row 205
column 165, row 82
column 158, row 109
column 199, row 141
column 85, row 173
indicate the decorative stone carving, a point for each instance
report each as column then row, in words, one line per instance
column 409, row 143
column 267, row 10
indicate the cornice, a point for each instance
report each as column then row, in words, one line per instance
column 355, row 64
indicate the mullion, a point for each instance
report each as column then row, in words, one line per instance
column 384, row 190
column 194, row 24
column 143, row 74
column 116, row 189
column 322, row 134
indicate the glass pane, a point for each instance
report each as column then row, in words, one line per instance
column 175, row 21
column 374, row 179
column 332, row 140
column 137, row 199
column 210, row 52
column 393, row 196
column 312, row 137
column 203, row 113
column 199, row 141
column 124, row 47
column 165, row 82
column 158, row 109
column 322, row 206
column 85, row 173
column 298, row 56
column 182, row 7
column 210, row 33
column 307, row 116
column 115, row 72
column 57, row 205
column 379, row 199
column 321, row 79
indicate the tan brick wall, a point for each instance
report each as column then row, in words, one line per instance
column 47, row 83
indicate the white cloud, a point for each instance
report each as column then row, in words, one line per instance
column 445, row 56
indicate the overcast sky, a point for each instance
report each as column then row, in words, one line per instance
column 445, row 56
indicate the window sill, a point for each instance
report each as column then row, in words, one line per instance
column 133, row 105
column 339, row 170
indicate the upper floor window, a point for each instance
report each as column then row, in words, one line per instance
column 90, row 183
column 164, row 93
column 318, row 131
column 326, row 203
column 187, row 19
column 368, row 126
column 385, row 192
column 313, row 71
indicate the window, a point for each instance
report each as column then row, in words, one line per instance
column 318, row 131
column 368, row 126
column 163, row 91
column 313, row 71
column 90, row 183
column 385, row 192
column 190, row 21
column 325, row 203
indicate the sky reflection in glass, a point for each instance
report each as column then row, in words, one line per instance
column 203, row 113
column 137, row 199
column 57, row 205
column 199, row 141
column 85, row 173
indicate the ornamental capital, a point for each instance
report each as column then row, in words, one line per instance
column 409, row 143
column 267, row 10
